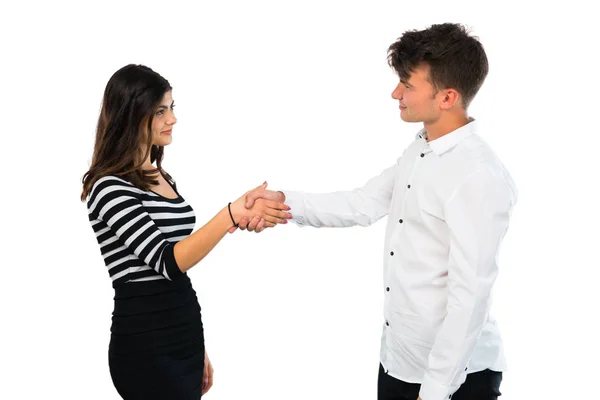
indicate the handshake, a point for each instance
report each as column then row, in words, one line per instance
column 259, row 209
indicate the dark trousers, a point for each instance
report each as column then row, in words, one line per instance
column 484, row 385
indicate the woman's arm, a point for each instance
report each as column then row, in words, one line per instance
column 117, row 204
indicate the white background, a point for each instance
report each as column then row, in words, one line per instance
column 296, row 93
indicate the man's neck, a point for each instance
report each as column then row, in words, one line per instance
column 444, row 126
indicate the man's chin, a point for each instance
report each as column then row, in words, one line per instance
column 408, row 119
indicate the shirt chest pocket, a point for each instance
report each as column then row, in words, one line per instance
column 421, row 202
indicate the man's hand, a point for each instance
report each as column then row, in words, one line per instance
column 261, row 192
column 257, row 224
column 208, row 375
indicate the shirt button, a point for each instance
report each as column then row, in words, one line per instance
column 408, row 186
column 387, row 289
column 422, row 154
column 387, row 323
column 401, row 220
column 391, row 253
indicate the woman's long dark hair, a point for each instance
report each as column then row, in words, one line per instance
column 131, row 96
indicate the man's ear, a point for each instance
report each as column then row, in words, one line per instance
column 451, row 98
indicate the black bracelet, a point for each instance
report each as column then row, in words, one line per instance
column 231, row 215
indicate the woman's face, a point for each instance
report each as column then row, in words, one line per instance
column 164, row 119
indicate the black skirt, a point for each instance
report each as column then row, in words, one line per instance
column 157, row 342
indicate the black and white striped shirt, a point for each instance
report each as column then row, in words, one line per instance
column 137, row 230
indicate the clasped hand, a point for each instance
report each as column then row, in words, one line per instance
column 259, row 209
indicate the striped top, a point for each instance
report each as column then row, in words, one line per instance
column 137, row 230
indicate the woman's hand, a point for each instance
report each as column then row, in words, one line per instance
column 270, row 212
column 207, row 380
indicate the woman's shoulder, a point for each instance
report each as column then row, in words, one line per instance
column 111, row 181
column 111, row 186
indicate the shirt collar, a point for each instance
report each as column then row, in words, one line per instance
column 449, row 140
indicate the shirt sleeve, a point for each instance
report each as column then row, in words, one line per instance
column 118, row 204
column 477, row 216
column 362, row 206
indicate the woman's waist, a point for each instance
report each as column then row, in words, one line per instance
column 159, row 336
column 136, row 298
column 156, row 313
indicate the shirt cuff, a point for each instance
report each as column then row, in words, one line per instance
column 172, row 270
column 295, row 201
column 431, row 390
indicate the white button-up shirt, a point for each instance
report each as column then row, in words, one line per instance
column 449, row 202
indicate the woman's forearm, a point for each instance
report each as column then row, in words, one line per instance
column 191, row 250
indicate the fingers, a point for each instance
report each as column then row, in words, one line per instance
column 274, row 209
column 266, row 225
column 268, row 221
column 275, row 220
column 267, row 195
column 253, row 224
column 258, row 224
column 207, row 378
column 282, row 215
column 255, row 194
column 261, row 226
column 263, row 186
column 210, row 378
column 208, row 382
column 277, row 205
column 243, row 223
column 251, row 198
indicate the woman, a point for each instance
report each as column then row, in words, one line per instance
column 144, row 229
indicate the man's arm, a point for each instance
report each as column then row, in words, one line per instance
column 362, row 206
column 477, row 216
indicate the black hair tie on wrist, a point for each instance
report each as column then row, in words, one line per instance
column 231, row 215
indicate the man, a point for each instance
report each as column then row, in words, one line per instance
column 449, row 200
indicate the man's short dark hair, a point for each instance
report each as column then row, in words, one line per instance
column 456, row 59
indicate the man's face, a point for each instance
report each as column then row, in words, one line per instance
column 417, row 97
